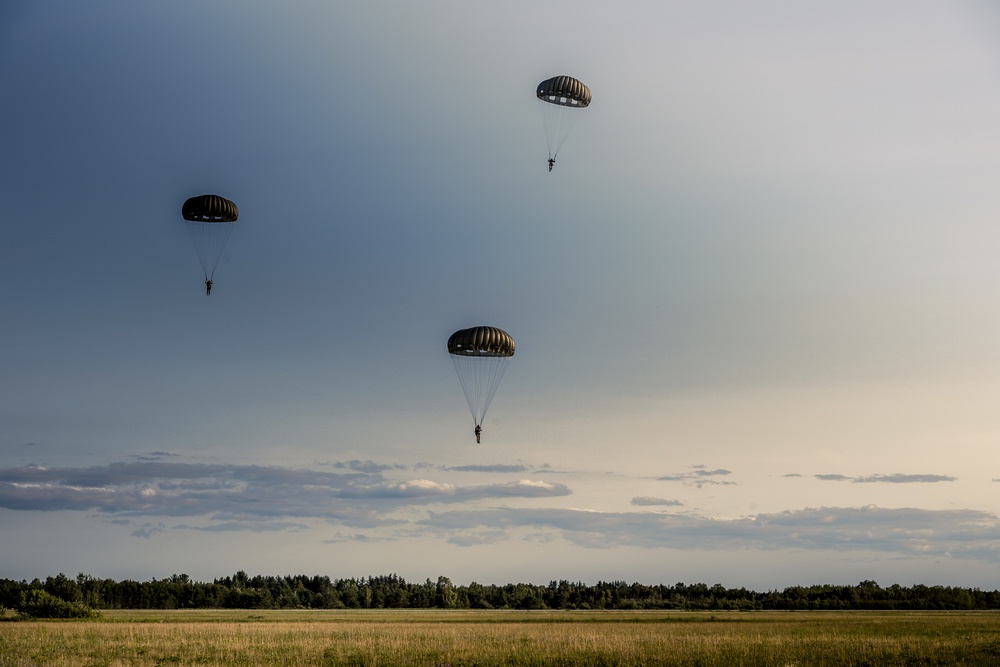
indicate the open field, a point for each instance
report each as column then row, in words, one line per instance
column 453, row 638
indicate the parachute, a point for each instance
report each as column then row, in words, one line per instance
column 209, row 219
column 480, row 356
column 560, row 100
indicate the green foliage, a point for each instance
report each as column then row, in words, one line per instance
column 445, row 596
column 38, row 603
column 243, row 591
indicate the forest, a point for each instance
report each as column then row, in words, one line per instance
column 63, row 596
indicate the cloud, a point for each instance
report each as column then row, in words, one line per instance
column 153, row 456
column 651, row 501
column 958, row 533
column 699, row 477
column 356, row 537
column 897, row 478
column 240, row 496
column 414, row 489
column 477, row 538
column 427, row 490
column 488, row 468
column 251, row 526
column 231, row 498
column 524, row 488
column 147, row 530
column 367, row 466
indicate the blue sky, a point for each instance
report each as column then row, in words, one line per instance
column 755, row 304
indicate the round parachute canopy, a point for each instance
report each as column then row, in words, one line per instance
column 209, row 219
column 480, row 356
column 210, row 208
column 560, row 101
column 481, row 342
column 565, row 91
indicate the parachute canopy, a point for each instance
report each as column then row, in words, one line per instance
column 565, row 91
column 209, row 219
column 481, row 342
column 480, row 356
column 560, row 101
column 210, row 208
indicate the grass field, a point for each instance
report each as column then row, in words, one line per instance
column 453, row 638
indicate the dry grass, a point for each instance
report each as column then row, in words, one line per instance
column 445, row 638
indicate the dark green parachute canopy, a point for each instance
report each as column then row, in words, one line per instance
column 481, row 342
column 210, row 208
column 480, row 356
column 564, row 91
column 210, row 220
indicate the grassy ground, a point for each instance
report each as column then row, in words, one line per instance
column 453, row 638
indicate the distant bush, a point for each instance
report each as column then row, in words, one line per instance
column 36, row 603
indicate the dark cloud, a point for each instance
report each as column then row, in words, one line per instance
column 702, row 471
column 147, row 530
column 651, row 501
column 897, row 478
column 251, row 526
column 242, row 496
column 149, row 472
column 370, row 467
column 153, row 456
column 498, row 467
column 958, row 533
column 699, row 476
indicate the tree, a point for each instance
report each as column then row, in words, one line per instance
column 37, row 603
column 445, row 596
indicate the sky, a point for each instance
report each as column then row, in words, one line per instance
column 755, row 304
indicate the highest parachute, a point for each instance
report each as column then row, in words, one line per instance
column 560, row 100
column 481, row 356
column 210, row 219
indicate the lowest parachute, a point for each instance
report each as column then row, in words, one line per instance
column 209, row 219
column 480, row 356
column 560, row 100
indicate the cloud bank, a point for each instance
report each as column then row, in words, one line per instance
column 143, row 495
column 232, row 493
column 905, row 531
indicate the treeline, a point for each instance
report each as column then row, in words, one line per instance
column 393, row 592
